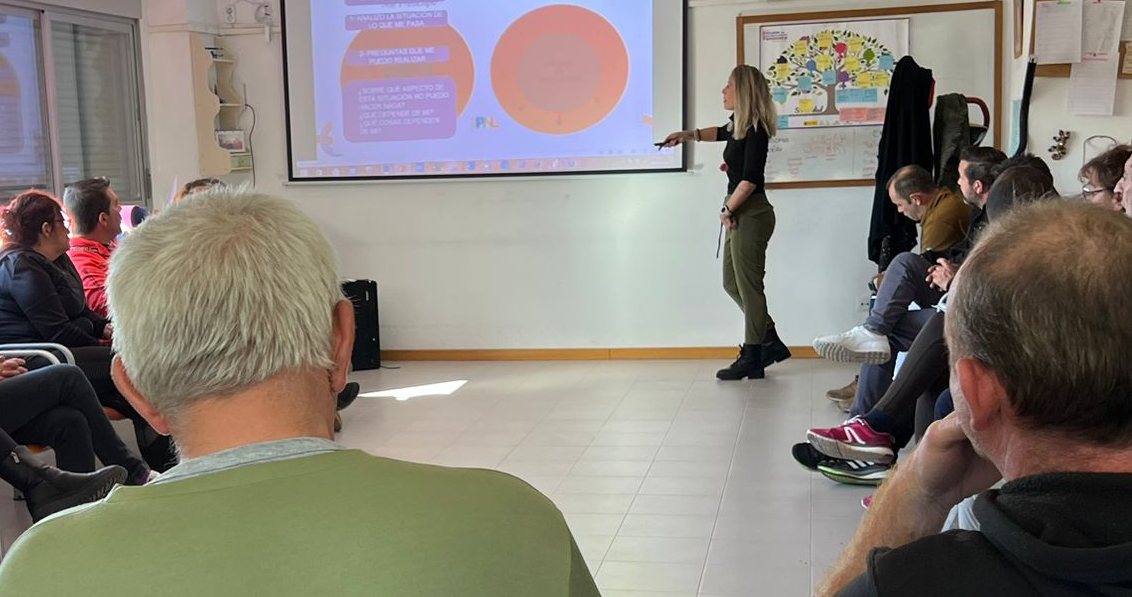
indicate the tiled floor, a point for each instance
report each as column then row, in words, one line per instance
column 674, row 484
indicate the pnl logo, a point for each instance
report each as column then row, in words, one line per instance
column 486, row 122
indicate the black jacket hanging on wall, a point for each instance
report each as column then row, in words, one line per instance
column 906, row 139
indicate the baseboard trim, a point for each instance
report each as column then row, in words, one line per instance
column 578, row 354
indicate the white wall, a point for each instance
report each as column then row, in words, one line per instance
column 1049, row 112
column 608, row 261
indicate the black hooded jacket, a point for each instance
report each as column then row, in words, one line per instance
column 906, row 139
column 1052, row 535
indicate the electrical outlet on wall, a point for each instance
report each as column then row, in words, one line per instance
column 230, row 14
column 865, row 304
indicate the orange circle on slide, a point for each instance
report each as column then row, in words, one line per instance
column 560, row 69
column 459, row 65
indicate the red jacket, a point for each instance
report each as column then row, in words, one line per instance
column 92, row 259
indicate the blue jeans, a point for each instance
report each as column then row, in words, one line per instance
column 873, row 380
column 904, row 283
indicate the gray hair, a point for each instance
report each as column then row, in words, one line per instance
column 1040, row 302
column 221, row 292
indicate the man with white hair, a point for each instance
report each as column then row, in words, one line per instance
column 232, row 336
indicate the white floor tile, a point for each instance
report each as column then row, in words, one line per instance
column 674, row 484
column 668, row 550
column 649, row 576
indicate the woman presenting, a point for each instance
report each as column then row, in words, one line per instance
column 746, row 214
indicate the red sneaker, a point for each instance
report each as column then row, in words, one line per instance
column 853, row 440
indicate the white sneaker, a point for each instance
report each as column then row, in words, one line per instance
column 858, row 345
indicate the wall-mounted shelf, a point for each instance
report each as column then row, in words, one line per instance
column 220, row 106
column 214, row 160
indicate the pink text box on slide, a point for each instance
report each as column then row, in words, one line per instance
column 389, row 56
column 418, row 19
column 381, row 2
column 399, row 109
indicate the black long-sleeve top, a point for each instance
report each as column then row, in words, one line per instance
column 43, row 301
column 746, row 157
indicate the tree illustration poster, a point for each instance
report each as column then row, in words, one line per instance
column 831, row 74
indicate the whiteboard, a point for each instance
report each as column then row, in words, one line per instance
column 844, row 152
column 959, row 46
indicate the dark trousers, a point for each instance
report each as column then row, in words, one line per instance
column 904, row 283
column 873, row 381
column 7, row 444
column 744, row 265
column 925, row 369
column 94, row 361
column 57, row 406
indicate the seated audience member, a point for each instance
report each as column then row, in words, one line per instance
column 875, row 437
column 199, row 185
column 1043, row 399
column 347, row 396
column 96, row 216
column 1123, row 190
column 57, row 407
column 1101, row 175
column 891, row 326
column 249, row 395
column 42, row 300
column 46, row 489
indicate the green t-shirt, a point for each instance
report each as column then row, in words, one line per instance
column 339, row 523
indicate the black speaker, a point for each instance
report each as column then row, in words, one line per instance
column 367, row 342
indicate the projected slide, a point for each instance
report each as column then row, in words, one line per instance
column 466, row 87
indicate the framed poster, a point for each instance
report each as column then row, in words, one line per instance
column 828, row 74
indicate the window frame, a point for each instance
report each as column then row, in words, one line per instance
column 46, row 15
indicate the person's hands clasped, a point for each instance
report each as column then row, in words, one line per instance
column 108, row 331
column 11, row 367
column 945, row 467
column 941, row 274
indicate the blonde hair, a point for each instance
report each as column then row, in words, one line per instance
column 219, row 293
column 753, row 104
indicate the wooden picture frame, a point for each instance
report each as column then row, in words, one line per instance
column 742, row 21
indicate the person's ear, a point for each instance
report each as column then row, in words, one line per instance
column 983, row 392
column 342, row 344
column 145, row 408
column 978, row 187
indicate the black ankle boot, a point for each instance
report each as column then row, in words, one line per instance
column 48, row 490
column 774, row 349
column 348, row 394
column 749, row 364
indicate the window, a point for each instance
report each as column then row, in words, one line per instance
column 25, row 157
column 72, row 92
